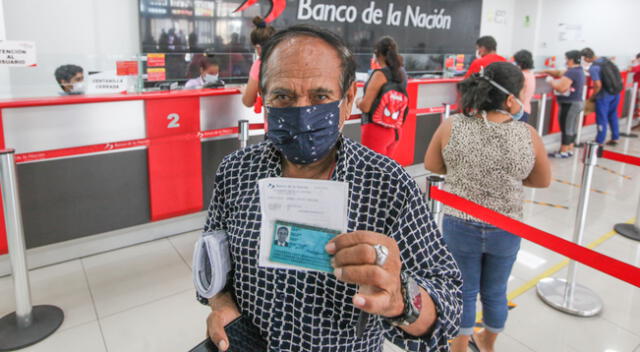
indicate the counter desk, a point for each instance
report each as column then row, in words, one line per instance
column 103, row 172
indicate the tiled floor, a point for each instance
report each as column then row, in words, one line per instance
column 141, row 298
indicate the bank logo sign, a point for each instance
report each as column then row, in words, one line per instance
column 419, row 26
column 277, row 7
column 388, row 13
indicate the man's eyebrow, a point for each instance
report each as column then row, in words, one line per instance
column 281, row 91
column 321, row 90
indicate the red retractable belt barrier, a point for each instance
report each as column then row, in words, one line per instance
column 623, row 158
column 598, row 261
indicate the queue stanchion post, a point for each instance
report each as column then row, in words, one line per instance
column 447, row 111
column 28, row 324
column 631, row 231
column 578, row 143
column 632, row 108
column 541, row 113
column 435, row 206
column 243, row 133
column 567, row 295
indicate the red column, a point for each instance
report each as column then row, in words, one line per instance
column 175, row 165
column 404, row 154
column 4, row 249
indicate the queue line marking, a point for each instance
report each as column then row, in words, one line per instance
column 554, row 269
column 626, row 177
column 578, row 186
column 546, row 204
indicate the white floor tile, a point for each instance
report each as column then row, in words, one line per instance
column 136, row 275
column 175, row 323
column 82, row 338
column 184, row 244
column 63, row 285
column 542, row 328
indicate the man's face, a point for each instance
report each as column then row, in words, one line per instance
column 587, row 60
column 283, row 233
column 68, row 85
column 481, row 50
column 304, row 71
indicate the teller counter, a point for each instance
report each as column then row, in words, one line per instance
column 103, row 172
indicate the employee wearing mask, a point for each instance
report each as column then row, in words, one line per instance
column 486, row 48
column 71, row 79
column 209, row 74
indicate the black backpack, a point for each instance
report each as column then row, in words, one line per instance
column 610, row 75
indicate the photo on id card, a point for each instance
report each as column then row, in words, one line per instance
column 301, row 245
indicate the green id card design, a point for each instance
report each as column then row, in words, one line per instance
column 302, row 245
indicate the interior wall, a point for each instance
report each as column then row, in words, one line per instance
column 89, row 33
column 608, row 27
column 498, row 21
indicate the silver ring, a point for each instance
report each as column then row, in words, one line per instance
column 382, row 253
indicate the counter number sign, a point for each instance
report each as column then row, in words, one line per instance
column 174, row 120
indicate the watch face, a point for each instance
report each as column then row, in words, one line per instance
column 416, row 296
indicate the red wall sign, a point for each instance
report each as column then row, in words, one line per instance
column 155, row 60
column 126, row 68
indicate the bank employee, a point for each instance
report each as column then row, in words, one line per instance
column 71, row 79
column 393, row 248
column 209, row 74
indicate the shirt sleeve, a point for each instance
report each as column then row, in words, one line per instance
column 427, row 260
column 594, row 72
column 217, row 213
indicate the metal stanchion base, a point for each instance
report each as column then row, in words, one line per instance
column 629, row 135
column 46, row 320
column 585, row 302
column 628, row 230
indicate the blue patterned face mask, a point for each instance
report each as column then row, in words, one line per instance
column 304, row 134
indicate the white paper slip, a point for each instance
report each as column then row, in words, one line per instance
column 318, row 203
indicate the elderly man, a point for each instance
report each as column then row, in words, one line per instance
column 307, row 81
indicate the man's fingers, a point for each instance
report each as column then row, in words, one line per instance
column 351, row 239
column 215, row 327
column 374, row 303
column 357, row 255
column 372, row 275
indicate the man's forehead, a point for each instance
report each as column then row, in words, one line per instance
column 303, row 62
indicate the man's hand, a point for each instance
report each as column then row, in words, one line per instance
column 355, row 262
column 223, row 311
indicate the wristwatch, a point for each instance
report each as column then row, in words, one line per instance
column 412, row 298
column 202, row 300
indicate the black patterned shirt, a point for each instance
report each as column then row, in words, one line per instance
column 313, row 311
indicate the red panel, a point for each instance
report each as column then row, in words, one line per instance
column 3, row 233
column 170, row 117
column 175, row 178
column 554, row 124
column 175, row 170
column 4, row 249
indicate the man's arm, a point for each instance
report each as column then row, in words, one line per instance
column 223, row 307
column 417, row 249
